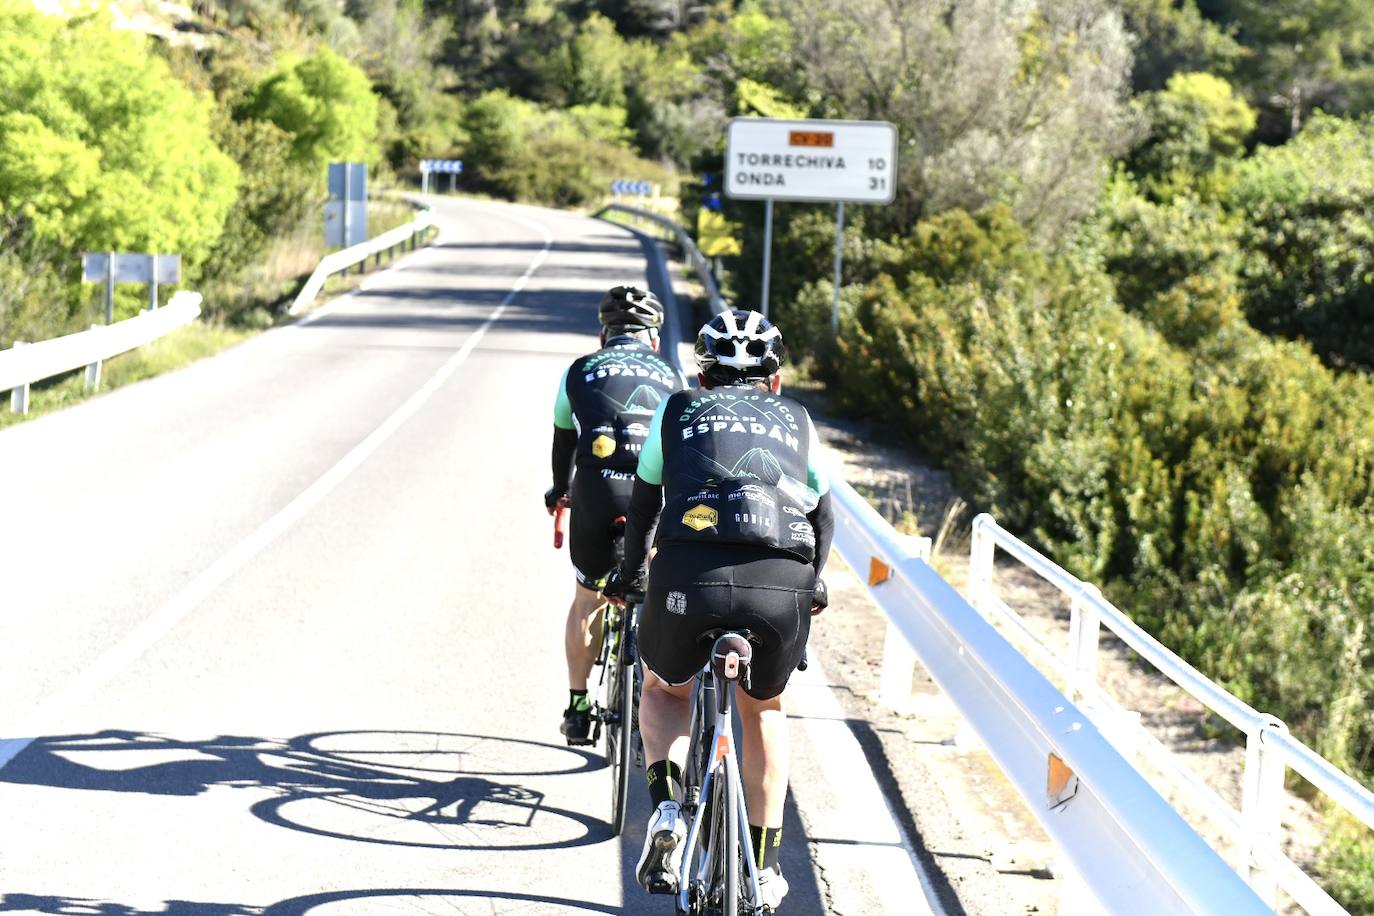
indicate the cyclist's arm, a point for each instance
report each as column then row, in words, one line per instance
column 822, row 517
column 564, row 438
column 647, row 499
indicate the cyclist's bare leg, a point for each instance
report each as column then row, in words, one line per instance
column 764, row 740
column 582, row 635
column 665, row 714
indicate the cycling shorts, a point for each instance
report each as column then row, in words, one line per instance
column 597, row 501
column 695, row 587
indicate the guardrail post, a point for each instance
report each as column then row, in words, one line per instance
column 1085, row 628
column 899, row 659
column 1261, row 807
column 93, row 371
column 19, row 397
column 981, row 547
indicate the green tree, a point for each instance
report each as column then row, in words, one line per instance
column 1305, row 54
column 400, row 49
column 1018, row 103
column 100, row 148
column 1194, row 123
column 327, row 106
column 595, row 64
column 1307, row 234
column 1172, row 36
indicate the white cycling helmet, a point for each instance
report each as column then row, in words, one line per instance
column 739, row 344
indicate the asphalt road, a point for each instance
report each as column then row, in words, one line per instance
column 281, row 633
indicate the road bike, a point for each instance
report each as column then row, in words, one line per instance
column 615, row 709
column 718, row 875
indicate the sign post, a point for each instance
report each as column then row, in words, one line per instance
column 839, row 255
column 771, row 159
column 767, row 253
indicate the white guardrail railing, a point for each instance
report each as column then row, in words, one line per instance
column 1255, row 830
column 1121, row 840
column 26, row 363
column 345, row 258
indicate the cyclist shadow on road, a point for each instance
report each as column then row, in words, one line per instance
column 421, row 789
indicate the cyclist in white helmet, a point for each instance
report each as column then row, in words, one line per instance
column 744, row 531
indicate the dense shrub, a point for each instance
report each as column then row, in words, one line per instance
column 521, row 151
column 325, row 104
column 1307, row 231
column 1217, row 481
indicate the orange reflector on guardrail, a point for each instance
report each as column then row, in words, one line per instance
column 1062, row 784
column 878, row 571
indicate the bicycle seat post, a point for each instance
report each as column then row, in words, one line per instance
column 731, row 657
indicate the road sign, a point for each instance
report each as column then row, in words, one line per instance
column 129, row 268
column 348, row 180
column 110, row 268
column 818, row 161
column 620, row 186
column 451, row 167
column 345, row 215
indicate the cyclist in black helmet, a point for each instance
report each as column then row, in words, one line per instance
column 600, row 420
column 745, row 529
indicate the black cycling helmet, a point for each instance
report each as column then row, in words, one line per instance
column 739, row 345
column 626, row 308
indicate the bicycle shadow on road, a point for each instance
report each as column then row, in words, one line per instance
column 331, row 903
column 420, row 789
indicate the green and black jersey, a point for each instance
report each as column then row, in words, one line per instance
column 737, row 465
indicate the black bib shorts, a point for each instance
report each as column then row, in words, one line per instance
column 597, row 500
column 695, row 587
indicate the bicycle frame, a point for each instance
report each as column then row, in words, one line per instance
column 713, row 713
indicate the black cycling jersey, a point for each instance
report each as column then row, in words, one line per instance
column 609, row 397
column 601, row 418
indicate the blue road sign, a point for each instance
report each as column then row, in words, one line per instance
column 620, row 186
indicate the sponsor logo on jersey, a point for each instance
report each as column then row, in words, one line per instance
column 608, row 474
column 800, row 526
column 677, row 603
column 603, row 446
column 750, row 518
column 708, row 496
column 793, row 510
column 754, row 493
column 700, row 518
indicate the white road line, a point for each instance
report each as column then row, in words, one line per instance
column 855, row 837
column 160, row 622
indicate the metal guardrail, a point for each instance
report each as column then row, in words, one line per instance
column 1270, row 750
column 348, row 257
column 1123, row 841
column 26, row 363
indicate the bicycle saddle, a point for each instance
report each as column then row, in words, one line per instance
column 731, row 655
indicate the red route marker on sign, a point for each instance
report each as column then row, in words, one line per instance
column 810, row 138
